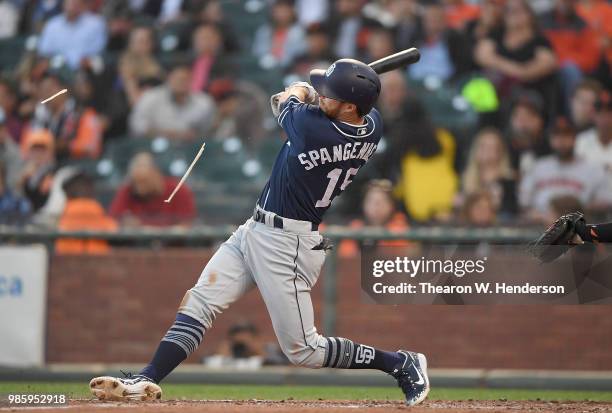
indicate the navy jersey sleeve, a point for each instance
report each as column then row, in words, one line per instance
column 297, row 118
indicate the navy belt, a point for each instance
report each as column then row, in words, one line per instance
column 260, row 216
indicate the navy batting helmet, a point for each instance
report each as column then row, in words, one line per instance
column 348, row 80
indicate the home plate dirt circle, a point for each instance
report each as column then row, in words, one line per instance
column 294, row 406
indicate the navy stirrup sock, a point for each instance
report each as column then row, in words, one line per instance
column 180, row 341
column 344, row 354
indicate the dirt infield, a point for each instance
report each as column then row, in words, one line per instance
column 263, row 406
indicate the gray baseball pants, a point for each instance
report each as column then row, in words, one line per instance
column 283, row 265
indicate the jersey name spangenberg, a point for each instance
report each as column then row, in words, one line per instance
column 340, row 153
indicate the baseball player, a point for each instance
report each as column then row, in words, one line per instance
column 279, row 249
column 566, row 232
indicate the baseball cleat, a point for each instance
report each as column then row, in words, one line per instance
column 132, row 387
column 411, row 377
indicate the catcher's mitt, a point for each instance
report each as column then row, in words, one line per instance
column 558, row 238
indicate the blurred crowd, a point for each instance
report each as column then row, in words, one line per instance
column 528, row 84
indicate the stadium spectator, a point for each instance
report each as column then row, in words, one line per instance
column 210, row 62
column 311, row 11
column 489, row 20
column 9, row 155
column 9, row 19
column 41, row 178
column 172, row 110
column 39, row 167
column 243, row 348
column 582, row 104
column 486, row 25
column 595, row 144
column 242, row 342
column 119, row 17
column 519, row 55
column 405, row 13
column 82, row 212
column 489, row 169
column 9, row 105
column 74, row 35
column 317, row 54
column 28, row 74
column 140, row 201
column 350, row 28
column 459, row 12
column 77, row 128
column 479, row 210
column 563, row 174
column 137, row 63
column 211, row 12
column 14, row 210
column 282, row 38
column 598, row 15
column 442, row 48
column 427, row 157
column 379, row 45
column 526, row 131
column 379, row 211
column 241, row 106
column 35, row 13
column 172, row 10
column 416, row 154
column 574, row 42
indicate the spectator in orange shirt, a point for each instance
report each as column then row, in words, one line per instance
column 83, row 212
column 140, row 201
column 76, row 127
column 379, row 211
column 458, row 13
column 574, row 42
column 598, row 15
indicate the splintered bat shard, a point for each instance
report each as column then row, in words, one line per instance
column 61, row 92
column 187, row 172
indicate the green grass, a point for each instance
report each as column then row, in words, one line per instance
column 217, row 392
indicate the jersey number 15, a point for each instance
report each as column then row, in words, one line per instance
column 334, row 177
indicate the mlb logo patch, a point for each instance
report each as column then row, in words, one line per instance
column 361, row 131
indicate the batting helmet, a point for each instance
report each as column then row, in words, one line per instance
column 348, row 80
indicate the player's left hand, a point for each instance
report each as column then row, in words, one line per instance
column 312, row 93
column 311, row 96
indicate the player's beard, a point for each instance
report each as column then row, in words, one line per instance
column 331, row 112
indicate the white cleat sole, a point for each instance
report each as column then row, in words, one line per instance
column 423, row 364
column 111, row 388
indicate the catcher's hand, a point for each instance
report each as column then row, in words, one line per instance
column 310, row 98
column 562, row 235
